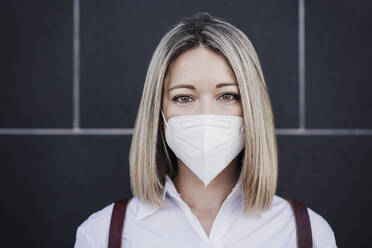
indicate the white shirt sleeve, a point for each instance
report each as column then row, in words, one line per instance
column 323, row 235
column 94, row 231
column 82, row 239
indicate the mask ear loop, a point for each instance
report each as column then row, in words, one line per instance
column 172, row 171
column 164, row 118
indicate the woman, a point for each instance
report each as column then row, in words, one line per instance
column 203, row 160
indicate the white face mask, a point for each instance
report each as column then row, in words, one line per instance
column 206, row 144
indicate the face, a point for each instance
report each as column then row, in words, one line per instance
column 200, row 81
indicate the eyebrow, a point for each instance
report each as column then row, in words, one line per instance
column 189, row 86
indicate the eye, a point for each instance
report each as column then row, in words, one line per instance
column 181, row 99
column 229, row 97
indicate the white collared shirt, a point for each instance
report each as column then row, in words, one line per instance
column 175, row 225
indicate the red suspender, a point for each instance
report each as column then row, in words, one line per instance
column 117, row 221
column 303, row 227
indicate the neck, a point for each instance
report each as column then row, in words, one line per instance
column 192, row 190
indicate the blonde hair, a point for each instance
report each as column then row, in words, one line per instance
column 151, row 159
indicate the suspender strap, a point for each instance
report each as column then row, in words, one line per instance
column 303, row 226
column 117, row 221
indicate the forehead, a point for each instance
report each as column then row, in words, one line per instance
column 197, row 66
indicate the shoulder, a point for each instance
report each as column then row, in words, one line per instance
column 94, row 231
column 322, row 233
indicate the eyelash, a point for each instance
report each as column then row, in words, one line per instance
column 236, row 97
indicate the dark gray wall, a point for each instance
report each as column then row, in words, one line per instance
column 71, row 83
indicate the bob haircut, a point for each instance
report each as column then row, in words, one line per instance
column 151, row 159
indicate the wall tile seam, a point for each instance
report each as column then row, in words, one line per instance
column 129, row 131
column 301, row 64
column 76, row 65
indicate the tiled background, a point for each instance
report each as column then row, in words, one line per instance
column 72, row 74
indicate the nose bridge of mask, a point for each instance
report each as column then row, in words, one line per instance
column 207, row 120
column 216, row 122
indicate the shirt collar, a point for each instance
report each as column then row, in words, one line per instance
column 146, row 209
